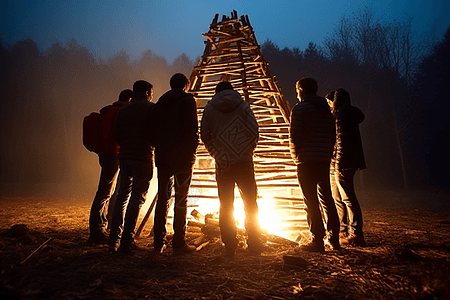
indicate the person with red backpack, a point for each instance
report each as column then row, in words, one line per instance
column 108, row 153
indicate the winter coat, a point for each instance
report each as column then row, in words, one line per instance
column 348, row 153
column 312, row 131
column 131, row 130
column 108, row 145
column 176, row 130
column 229, row 129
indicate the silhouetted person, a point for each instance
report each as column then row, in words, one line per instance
column 230, row 133
column 176, row 141
column 348, row 157
column 108, row 156
column 312, row 137
column 131, row 131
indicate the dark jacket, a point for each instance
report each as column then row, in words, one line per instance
column 131, row 130
column 229, row 129
column 108, row 146
column 176, row 130
column 348, row 153
column 312, row 131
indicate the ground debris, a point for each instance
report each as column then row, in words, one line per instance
column 401, row 261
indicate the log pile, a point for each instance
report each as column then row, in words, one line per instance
column 232, row 53
column 209, row 230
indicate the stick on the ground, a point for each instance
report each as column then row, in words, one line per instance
column 42, row 245
column 147, row 215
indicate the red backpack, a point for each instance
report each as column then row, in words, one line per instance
column 92, row 132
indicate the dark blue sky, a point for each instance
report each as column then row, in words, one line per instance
column 170, row 28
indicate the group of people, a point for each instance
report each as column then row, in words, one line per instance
column 137, row 133
column 144, row 134
column 325, row 143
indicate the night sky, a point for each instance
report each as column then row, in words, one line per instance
column 170, row 28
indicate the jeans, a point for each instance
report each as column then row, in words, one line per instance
column 167, row 177
column 348, row 208
column 98, row 218
column 135, row 176
column 241, row 174
column 314, row 180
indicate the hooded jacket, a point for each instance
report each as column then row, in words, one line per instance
column 131, row 130
column 175, row 125
column 229, row 129
column 348, row 152
column 312, row 131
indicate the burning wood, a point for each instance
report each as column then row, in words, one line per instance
column 211, row 229
column 233, row 54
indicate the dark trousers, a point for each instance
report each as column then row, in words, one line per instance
column 181, row 180
column 241, row 174
column 135, row 176
column 314, row 180
column 104, row 198
column 348, row 208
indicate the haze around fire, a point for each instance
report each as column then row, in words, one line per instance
column 170, row 28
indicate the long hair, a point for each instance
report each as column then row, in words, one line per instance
column 341, row 98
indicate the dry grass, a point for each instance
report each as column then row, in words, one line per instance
column 408, row 257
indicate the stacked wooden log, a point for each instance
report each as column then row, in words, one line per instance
column 209, row 227
column 233, row 54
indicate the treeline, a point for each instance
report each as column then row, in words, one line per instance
column 43, row 99
column 398, row 83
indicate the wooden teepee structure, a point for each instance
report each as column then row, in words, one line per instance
column 233, row 54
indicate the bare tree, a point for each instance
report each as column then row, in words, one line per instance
column 391, row 48
column 366, row 39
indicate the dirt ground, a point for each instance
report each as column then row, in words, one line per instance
column 407, row 257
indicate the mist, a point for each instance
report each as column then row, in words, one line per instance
column 44, row 99
column 45, row 96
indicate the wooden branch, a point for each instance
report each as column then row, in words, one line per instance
column 42, row 245
column 147, row 216
column 232, row 52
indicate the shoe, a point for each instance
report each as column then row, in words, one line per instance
column 98, row 239
column 184, row 249
column 160, row 249
column 256, row 249
column 127, row 248
column 343, row 238
column 158, row 244
column 230, row 251
column 357, row 240
column 343, row 235
column 335, row 246
column 114, row 245
column 334, row 243
column 314, row 246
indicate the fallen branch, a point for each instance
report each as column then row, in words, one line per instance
column 42, row 245
column 202, row 246
column 147, row 216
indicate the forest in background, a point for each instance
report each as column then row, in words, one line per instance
column 396, row 80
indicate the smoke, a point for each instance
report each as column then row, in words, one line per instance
column 44, row 98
